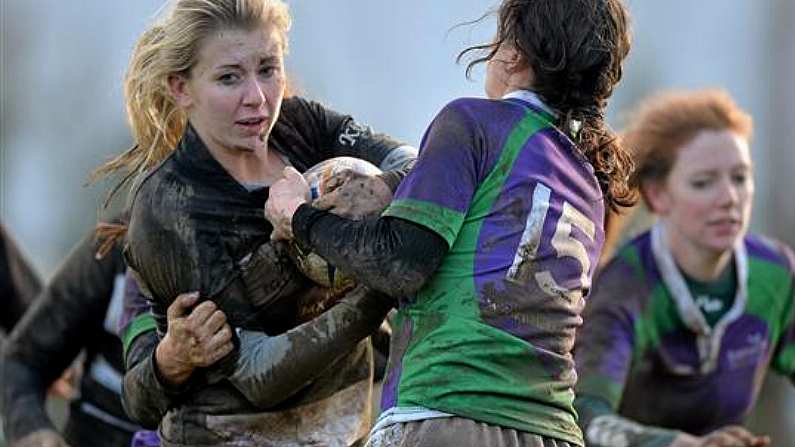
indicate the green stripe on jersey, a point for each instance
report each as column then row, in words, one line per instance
column 139, row 325
column 428, row 214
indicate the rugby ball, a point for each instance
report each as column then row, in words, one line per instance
column 320, row 179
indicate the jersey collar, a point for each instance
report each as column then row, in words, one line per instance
column 708, row 338
column 532, row 99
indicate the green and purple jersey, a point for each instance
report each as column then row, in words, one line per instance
column 647, row 351
column 489, row 337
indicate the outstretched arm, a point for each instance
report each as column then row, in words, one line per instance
column 604, row 428
column 387, row 254
column 272, row 368
column 398, row 252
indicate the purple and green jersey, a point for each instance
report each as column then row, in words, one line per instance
column 489, row 337
column 647, row 352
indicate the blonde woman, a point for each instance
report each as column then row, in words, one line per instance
column 205, row 97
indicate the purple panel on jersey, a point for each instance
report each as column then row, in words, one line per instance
column 732, row 386
column 135, row 303
column 455, row 156
column 389, row 390
column 612, row 366
column 758, row 248
column 518, row 307
column 745, row 344
column 651, row 274
column 678, row 352
column 744, row 356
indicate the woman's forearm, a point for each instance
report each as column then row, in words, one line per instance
column 390, row 255
column 271, row 369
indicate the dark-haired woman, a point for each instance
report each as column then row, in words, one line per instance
column 491, row 240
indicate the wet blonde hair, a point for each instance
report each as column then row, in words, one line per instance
column 171, row 47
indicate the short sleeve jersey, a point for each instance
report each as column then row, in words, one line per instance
column 643, row 332
column 489, row 337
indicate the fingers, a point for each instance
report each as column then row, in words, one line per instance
column 220, row 340
column 284, row 198
column 740, row 434
column 291, row 174
column 208, row 327
column 282, row 233
column 201, row 313
column 271, row 212
column 41, row 438
column 181, row 305
column 278, row 236
column 762, row 441
column 732, row 436
column 720, row 439
column 63, row 388
column 749, row 439
column 215, row 322
column 198, row 326
column 216, row 347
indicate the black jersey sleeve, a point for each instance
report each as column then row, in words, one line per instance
column 332, row 134
column 65, row 318
column 18, row 281
column 144, row 395
column 388, row 254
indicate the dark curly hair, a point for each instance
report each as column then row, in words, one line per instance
column 575, row 49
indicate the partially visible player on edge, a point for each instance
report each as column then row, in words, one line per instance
column 19, row 284
column 491, row 241
column 688, row 317
column 78, row 310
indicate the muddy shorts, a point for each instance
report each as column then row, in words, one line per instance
column 456, row 432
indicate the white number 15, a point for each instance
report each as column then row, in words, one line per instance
column 564, row 243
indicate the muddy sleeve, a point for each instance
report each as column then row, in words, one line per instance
column 272, row 368
column 145, row 395
column 387, row 254
column 608, row 429
column 18, row 281
column 603, row 353
column 69, row 311
column 341, row 135
column 398, row 252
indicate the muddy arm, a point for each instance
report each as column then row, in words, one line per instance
column 271, row 369
column 387, row 254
